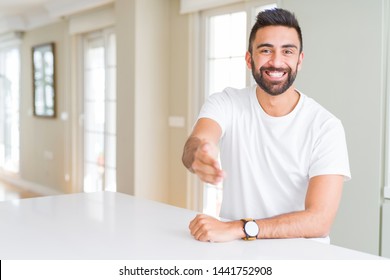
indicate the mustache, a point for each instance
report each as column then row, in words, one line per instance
column 287, row 69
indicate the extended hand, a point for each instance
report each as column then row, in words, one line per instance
column 206, row 165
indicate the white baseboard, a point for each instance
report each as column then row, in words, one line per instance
column 29, row 186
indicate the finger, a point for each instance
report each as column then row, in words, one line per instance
column 211, row 174
column 203, row 237
column 205, row 158
column 207, row 173
column 201, row 233
column 207, row 148
column 207, row 166
column 192, row 224
column 211, row 179
column 204, row 170
column 200, row 227
column 208, row 157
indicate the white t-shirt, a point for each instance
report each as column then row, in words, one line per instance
column 269, row 160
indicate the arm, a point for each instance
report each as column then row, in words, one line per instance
column 201, row 152
column 321, row 204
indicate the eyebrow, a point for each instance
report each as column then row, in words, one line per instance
column 271, row 46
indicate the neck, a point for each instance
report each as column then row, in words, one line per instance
column 279, row 105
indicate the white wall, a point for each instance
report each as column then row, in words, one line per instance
column 42, row 136
column 125, row 38
column 152, row 76
column 343, row 71
column 178, row 99
column 143, row 41
column 385, row 252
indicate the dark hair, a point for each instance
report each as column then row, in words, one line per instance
column 274, row 17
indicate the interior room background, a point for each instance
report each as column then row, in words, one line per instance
column 130, row 78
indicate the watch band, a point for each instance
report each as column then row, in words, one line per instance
column 247, row 236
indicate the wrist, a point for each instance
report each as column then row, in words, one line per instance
column 236, row 229
column 251, row 229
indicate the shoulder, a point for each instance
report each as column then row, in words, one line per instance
column 317, row 112
column 231, row 96
column 323, row 124
column 230, row 92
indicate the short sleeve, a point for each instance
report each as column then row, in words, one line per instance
column 330, row 154
column 217, row 107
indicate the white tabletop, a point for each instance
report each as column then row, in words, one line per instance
column 107, row 225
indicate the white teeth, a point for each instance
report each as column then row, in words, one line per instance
column 276, row 74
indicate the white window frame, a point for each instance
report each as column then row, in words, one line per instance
column 105, row 34
column 8, row 42
column 80, row 24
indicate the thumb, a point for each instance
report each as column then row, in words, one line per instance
column 210, row 149
column 205, row 147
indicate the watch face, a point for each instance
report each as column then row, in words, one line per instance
column 251, row 228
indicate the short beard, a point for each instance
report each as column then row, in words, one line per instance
column 278, row 88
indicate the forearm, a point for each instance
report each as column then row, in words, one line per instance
column 302, row 224
column 190, row 148
column 321, row 204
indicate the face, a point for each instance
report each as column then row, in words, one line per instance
column 275, row 58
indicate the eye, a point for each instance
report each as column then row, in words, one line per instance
column 265, row 51
column 288, row 52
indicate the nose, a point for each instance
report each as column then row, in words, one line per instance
column 276, row 60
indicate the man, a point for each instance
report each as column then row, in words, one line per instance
column 284, row 157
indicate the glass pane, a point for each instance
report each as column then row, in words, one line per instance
column 219, row 76
column 94, row 148
column 227, row 48
column 95, row 84
column 219, row 36
column 237, row 72
column 226, row 72
column 111, row 117
column 110, row 181
column 94, row 116
column 95, row 54
column 9, row 109
column 110, row 160
column 93, row 177
column 238, row 34
column 227, row 35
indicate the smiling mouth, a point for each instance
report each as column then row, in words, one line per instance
column 275, row 74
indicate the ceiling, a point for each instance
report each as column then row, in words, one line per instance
column 16, row 7
column 22, row 15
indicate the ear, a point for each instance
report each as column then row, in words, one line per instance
column 248, row 59
column 300, row 59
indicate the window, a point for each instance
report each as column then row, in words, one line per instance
column 9, row 108
column 226, row 51
column 99, row 111
column 226, row 34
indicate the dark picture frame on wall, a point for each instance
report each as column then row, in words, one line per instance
column 44, row 84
